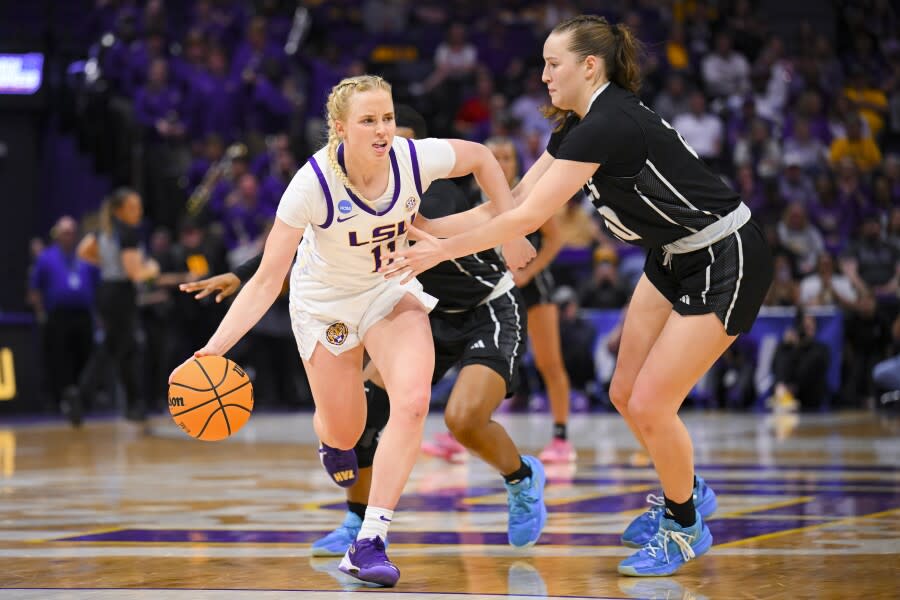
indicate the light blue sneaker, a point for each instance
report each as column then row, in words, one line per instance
column 671, row 547
column 527, row 511
column 642, row 529
column 337, row 542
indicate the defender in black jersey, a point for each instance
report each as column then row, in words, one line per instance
column 707, row 269
column 536, row 284
column 478, row 326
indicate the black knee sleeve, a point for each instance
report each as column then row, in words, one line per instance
column 379, row 409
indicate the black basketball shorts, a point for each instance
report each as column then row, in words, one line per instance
column 729, row 278
column 539, row 290
column 493, row 335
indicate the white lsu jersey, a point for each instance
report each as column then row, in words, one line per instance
column 346, row 238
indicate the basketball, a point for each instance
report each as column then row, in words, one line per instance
column 210, row 398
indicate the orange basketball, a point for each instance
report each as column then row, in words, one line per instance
column 210, row 398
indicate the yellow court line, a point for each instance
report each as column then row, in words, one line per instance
column 775, row 534
column 762, row 507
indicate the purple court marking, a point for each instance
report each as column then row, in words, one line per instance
column 723, row 530
column 843, row 500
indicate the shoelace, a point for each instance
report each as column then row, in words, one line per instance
column 656, row 504
column 520, row 501
column 662, row 537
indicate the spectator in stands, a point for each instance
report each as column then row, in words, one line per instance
column 795, row 186
column 760, row 150
column 604, row 289
column 809, row 108
column 872, row 263
column 784, row 290
column 863, row 150
column 527, row 108
column 726, row 72
column 807, row 151
column 827, row 288
column 886, row 374
column 277, row 179
column 250, row 55
column 702, row 130
column 673, row 100
column 473, row 119
column 578, row 337
column 61, row 291
column 867, row 99
column 834, row 215
column 677, row 55
column 455, row 60
column 841, row 114
column 159, row 109
column 800, row 365
column 893, row 234
column 245, row 219
column 800, row 238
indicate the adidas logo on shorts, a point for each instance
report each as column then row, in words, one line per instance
column 477, row 345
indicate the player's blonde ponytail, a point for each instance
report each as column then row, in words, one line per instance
column 336, row 109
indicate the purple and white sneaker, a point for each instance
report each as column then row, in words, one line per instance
column 367, row 561
column 340, row 465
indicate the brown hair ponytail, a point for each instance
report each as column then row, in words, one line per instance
column 615, row 45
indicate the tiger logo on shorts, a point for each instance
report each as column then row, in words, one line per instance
column 337, row 333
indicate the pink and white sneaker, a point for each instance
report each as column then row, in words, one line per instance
column 446, row 447
column 558, row 452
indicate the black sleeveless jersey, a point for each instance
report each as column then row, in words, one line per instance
column 464, row 282
column 651, row 188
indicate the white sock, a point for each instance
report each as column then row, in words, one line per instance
column 376, row 522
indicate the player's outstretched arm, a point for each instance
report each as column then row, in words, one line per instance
column 479, row 161
column 260, row 292
column 226, row 284
column 561, row 181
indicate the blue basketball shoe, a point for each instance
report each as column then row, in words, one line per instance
column 367, row 561
column 337, row 542
column 642, row 529
column 527, row 511
column 340, row 465
column 671, row 547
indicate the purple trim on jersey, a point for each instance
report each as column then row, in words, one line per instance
column 415, row 166
column 324, row 185
column 361, row 203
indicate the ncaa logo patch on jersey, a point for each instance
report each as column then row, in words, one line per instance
column 337, row 333
column 344, row 206
column 410, row 204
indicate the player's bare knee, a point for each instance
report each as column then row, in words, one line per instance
column 462, row 422
column 645, row 411
column 619, row 394
column 412, row 405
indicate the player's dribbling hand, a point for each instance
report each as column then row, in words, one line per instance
column 201, row 352
column 409, row 262
column 226, row 284
column 518, row 253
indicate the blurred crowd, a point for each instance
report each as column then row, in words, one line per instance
column 208, row 108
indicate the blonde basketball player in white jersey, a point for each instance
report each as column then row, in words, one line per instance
column 350, row 205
